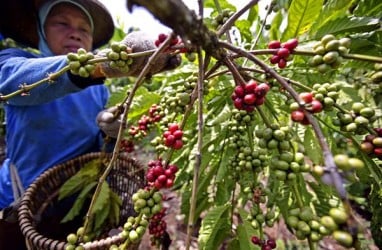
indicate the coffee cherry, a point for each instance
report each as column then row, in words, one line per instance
column 271, row 243
column 72, row 239
column 298, row 116
column 291, row 44
column 283, row 53
column 256, row 240
column 274, row 59
column 339, row 215
column 328, row 222
column 307, row 97
column 274, row 44
column 343, row 238
column 249, row 99
column 133, row 236
column 316, row 106
column 282, row 63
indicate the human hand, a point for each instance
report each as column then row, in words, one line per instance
column 138, row 42
column 108, row 122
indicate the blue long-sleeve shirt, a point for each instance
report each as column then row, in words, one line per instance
column 52, row 124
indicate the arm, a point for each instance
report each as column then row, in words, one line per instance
column 20, row 67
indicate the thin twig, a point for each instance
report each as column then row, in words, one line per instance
column 198, row 157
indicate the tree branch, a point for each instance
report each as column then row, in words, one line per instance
column 185, row 23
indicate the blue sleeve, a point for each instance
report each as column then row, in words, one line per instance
column 19, row 67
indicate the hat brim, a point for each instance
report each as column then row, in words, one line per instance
column 19, row 21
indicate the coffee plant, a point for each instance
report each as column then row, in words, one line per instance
column 273, row 118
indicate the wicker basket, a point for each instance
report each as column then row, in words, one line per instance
column 125, row 179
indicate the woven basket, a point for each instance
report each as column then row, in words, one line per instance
column 125, row 179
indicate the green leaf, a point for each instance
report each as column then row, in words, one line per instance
column 87, row 174
column 101, row 216
column 215, row 227
column 223, row 4
column 253, row 14
column 301, row 15
column 348, row 24
column 78, row 204
column 223, row 193
column 234, row 244
column 222, row 117
column 369, row 8
column 103, row 197
column 115, row 203
column 244, row 27
column 274, row 32
column 331, row 11
column 323, row 193
column 311, row 145
column 244, row 233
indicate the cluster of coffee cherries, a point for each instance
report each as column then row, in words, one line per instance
column 127, row 146
column 308, row 225
column 147, row 201
column 329, row 51
column 174, row 41
column 287, row 165
column 345, row 162
column 146, row 122
column 326, row 93
column 178, row 101
column 283, row 53
column 241, row 118
column 73, row 239
column 157, row 227
column 258, row 218
column 78, row 62
column 173, row 136
column 264, row 244
column 248, row 96
column 274, row 137
column 118, row 54
column 160, row 176
column 372, row 144
column 133, row 230
column 310, row 104
column 357, row 120
column 249, row 160
column 221, row 18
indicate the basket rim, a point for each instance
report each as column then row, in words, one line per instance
column 26, row 217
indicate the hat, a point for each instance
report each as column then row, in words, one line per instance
column 19, row 21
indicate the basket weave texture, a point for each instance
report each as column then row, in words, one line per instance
column 126, row 177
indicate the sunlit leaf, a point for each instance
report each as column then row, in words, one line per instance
column 214, row 228
column 301, row 16
column 348, row 24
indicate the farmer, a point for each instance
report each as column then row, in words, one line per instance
column 56, row 121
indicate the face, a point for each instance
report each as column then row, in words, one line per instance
column 67, row 29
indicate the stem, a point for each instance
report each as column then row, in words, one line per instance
column 24, row 88
column 265, row 119
column 198, row 157
column 368, row 58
